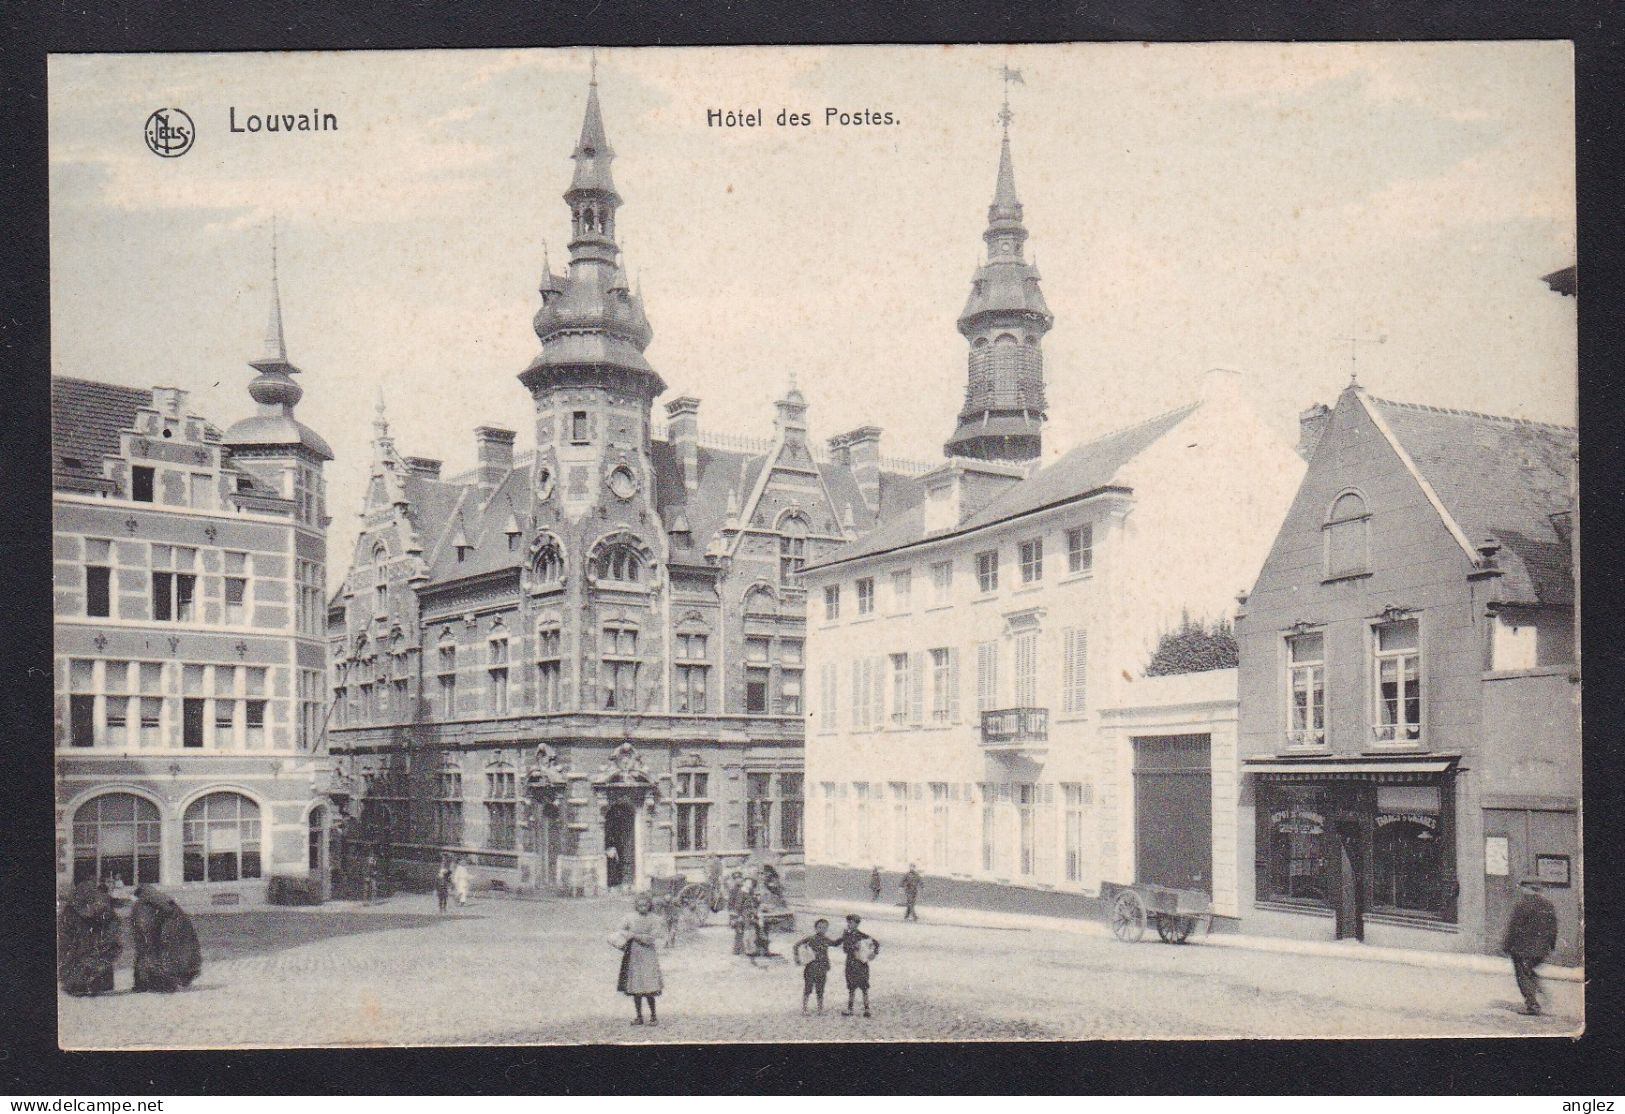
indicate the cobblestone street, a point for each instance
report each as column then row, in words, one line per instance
column 508, row 971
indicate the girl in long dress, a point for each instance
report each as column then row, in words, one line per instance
column 87, row 942
column 459, row 881
column 167, row 956
column 640, row 959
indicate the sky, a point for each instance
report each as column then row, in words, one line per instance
column 1247, row 206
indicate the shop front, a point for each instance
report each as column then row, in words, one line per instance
column 1350, row 845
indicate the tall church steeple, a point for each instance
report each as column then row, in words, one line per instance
column 1004, row 319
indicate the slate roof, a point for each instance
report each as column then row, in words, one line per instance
column 1501, row 478
column 86, row 420
column 440, row 510
column 1087, row 468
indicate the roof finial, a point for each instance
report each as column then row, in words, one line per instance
column 1008, row 76
column 380, row 424
column 592, row 62
column 547, row 264
column 275, row 347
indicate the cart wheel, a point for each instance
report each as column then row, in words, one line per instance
column 1128, row 917
column 1174, row 929
column 695, row 900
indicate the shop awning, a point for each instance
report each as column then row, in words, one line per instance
column 1365, row 767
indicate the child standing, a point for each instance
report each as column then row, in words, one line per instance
column 814, row 974
column 442, row 882
column 860, row 948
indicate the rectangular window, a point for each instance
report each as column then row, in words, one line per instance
column 98, row 591
column 790, row 650
column 200, row 494
column 1398, row 666
column 1306, row 690
column 81, row 720
column 791, row 810
column 499, row 691
column 899, row 821
column 866, row 595
column 1407, row 868
column 987, row 571
column 549, row 670
column 792, row 559
column 789, row 692
column 225, row 722
column 501, row 810
column 899, row 688
column 1075, row 670
column 1074, row 799
column 152, row 720
column 691, row 684
column 758, row 650
column 1080, row 549
column 579, row 431
column 987, row 676
column 1032, row 560
column 941, row 822
column 1024, row 816
column 691, row 647
column 117, row 702
column 1293, row 843
column 254, row 719
column 448, row 696
column 758, row 811
column 141, row 483
column 829, row 698
column 1027, row 669
column 236, row 593
column 942, row 582
column 192, row 722
column 902, row 590
column 944, row 685
column 693, row 811
column 832, row 602
column 756, row 680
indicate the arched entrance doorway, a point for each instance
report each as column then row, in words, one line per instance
column 620, row 844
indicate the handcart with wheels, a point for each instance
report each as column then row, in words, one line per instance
column 1176, row 913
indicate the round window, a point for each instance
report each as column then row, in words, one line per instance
column 622, row 483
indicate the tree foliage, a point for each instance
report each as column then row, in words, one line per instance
column 1194, row 648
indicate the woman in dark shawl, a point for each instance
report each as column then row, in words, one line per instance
column 166, row 949
column 87, row 941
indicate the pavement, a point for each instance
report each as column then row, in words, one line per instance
column 1281, row 945
column 541, row 972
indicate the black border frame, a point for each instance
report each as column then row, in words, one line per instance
column 29, row 1061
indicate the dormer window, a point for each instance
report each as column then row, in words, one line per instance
column 1347, row 531
column 141, row 483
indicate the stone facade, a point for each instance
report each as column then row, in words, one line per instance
column 581, row 666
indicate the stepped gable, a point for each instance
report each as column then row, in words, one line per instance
column 1501, row 479
column 1087, row 468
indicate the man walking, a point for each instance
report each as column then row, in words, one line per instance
column 912, row 885
column 1530, row 937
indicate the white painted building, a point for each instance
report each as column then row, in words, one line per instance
column 979, row 700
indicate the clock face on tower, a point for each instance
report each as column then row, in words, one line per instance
column 622, row 483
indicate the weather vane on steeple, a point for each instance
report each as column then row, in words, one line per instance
column 1009, row 77
column 592, row 63
column 1354, row 343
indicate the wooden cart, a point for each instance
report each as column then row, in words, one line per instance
column 1176, row 913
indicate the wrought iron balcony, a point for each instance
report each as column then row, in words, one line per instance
column 1015, row 728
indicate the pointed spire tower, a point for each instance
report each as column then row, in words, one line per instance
column 274, row 428
column 590, row 318
column 1004, row 320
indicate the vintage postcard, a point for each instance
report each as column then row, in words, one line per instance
column 569, row 546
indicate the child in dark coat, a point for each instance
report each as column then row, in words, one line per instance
column 814, row 974
column 860, row 948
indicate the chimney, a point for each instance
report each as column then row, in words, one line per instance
column 424, row 466
column 863, row 457
column 494, row 453
column 840, row 451
column 168, row 401
column 683, row 431
column 1311, row 428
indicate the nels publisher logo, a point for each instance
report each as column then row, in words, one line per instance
column 169, row 133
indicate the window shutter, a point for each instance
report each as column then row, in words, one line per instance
column 859, row 706
column 987, row 676
column 1074, row 681
column 916, row 687
column 877, row 691
column 1045, row 834
column 953, row 684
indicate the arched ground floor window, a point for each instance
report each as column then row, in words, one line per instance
column 116, row 836
column 221, row 839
